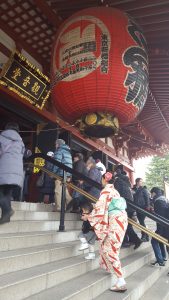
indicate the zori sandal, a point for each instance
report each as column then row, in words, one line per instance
column 117, row 289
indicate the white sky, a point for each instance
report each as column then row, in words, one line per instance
column 141, row 166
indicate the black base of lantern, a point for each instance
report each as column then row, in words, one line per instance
column 99, row 131
column 98, row 125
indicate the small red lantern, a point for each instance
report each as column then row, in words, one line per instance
column 99, row 71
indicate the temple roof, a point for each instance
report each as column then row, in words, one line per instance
column 32, row 24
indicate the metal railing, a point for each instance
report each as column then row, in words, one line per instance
column 79, row 176
column 72, row 186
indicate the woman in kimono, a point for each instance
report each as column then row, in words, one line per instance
column 109, row 220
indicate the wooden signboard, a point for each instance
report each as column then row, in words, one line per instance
column 20, row 76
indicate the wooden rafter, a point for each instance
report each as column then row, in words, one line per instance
column 20, row 43
column 137, row 5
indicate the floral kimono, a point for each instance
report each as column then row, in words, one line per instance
column 109, row 220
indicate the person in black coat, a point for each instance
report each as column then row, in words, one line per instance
column 78, row 166
column 48, row 187
column 123, row 186
column 160, row 208
column 142, row 199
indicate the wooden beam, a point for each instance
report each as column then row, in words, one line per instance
column 53, row 18
column 156, row 34
column 20, row 43
column 75, row 4
column 153, row 20
column 151, row 11
column 137, row 5
column 5, row 50
column 156, row 27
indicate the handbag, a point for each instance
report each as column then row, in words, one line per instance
column 40, row 181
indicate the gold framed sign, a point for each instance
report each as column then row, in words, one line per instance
column 20, row 76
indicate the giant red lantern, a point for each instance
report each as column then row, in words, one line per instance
column 99, row 72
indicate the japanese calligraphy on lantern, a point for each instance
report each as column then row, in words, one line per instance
column 99, row 65
column 24, row 79
column 104, row 53
column 78, row 50
column 136, row 58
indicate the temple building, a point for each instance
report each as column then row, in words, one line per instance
column 28, row 29
column 94, row 73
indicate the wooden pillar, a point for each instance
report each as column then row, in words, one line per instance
column 105, row 160
column 131, row 174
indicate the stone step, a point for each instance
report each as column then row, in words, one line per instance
column 31, row 206
column 31, row 226
column 21, row 215
column 21, row 284
column 159, row 290
column 138, row 283
column 15, row 260
column 12, row 241
column 85, row 287
column 91, row 285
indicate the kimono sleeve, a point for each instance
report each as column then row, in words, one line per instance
column 98, row 214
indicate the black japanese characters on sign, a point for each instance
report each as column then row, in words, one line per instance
column 27, row 82
column 104, row 53
column 24, row 79
column 136, row 58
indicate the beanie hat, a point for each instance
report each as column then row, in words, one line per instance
column 60, row 142
column 119, row 167
column 91, row 160
column 156, row 190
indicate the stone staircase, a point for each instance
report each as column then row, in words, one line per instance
column 39, row 263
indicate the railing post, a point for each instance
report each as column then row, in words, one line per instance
column 63, row 201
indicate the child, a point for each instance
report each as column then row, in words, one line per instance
column 87, row 236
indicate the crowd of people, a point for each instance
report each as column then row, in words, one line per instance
column 106, row 220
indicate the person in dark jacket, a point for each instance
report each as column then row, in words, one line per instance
column 62, row 154
column 48, row 187
column 142, row 199
column 160, row 208
column 94, row 174
column 11, row 167
column 123, row 186
column 80, row 167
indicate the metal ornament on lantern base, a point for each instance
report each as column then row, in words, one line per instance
column 98, row 125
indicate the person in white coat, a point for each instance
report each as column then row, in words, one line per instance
column 100, row 166
column 11, row 167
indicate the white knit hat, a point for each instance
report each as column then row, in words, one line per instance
column 50, row 153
